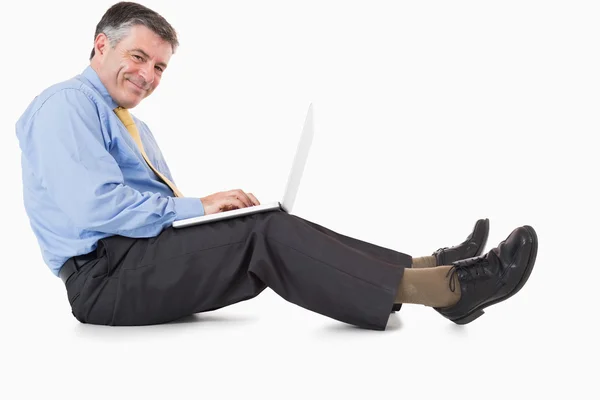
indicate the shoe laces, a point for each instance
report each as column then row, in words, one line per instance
column 470, row 271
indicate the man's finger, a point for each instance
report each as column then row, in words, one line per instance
column 239, row 203
column 254, row 199
column 232, row 203
column 233, row 194
column 243, row 197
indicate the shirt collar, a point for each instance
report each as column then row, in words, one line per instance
column 94, row 80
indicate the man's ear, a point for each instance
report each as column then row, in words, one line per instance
column 101, row 44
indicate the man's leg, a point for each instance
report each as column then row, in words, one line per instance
column 206, row 267
column 369, row 249
column 461, row 291
column 472, row 246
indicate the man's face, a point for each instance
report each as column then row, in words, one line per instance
column 132, row 70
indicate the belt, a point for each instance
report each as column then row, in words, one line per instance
column 74, row 264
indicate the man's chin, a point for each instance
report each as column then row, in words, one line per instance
column 130, row 102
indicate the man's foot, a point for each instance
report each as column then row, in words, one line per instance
column 493, row 277
column 471, row 247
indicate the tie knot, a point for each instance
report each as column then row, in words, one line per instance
column 124, row 115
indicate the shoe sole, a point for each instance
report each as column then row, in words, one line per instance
column 478, row 312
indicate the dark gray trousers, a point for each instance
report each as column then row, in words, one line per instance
column 205, row 267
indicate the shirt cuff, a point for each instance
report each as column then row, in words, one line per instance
column 187, row 207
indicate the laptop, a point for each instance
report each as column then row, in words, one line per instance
column 291, row 189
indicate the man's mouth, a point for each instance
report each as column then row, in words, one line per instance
column 137, row 86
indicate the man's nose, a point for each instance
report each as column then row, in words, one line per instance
column 147, row 72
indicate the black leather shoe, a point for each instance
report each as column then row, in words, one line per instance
column 493, row 277
column 471, row 247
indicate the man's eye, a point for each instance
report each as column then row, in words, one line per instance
column 159, row 69
column 137, row 57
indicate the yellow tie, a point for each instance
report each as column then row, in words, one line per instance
column 127, row 120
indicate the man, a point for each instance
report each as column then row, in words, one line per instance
column 101, row 201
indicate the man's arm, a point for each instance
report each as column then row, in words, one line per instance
column 66, row 150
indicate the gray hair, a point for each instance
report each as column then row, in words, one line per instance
column 118, row 20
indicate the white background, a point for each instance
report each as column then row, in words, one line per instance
column 429, row 115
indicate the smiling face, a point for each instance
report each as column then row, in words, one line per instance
column 132, row 69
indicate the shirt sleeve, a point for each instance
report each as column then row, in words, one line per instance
column 68, row 154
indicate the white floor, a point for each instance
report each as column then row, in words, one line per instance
column 540, row 342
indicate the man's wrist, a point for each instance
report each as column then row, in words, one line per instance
column 188, row 207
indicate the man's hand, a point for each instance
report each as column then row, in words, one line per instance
column 225, row 201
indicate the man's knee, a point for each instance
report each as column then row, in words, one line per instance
column 275, row 222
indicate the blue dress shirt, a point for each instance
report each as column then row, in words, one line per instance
column 83, row 176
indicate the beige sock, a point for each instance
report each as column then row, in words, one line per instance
column 429, row 287
column 424, row 262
